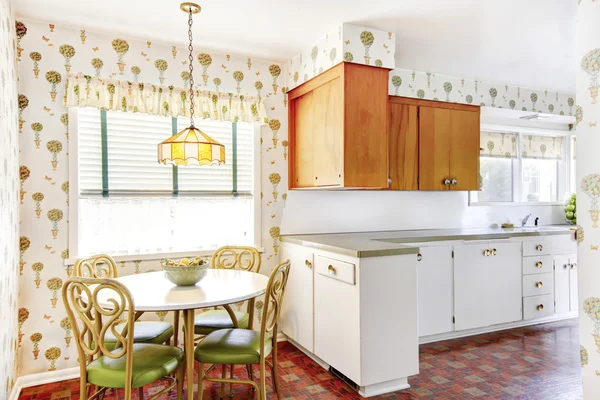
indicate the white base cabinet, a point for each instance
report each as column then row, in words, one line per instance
column 357, row 315
column 487, row 284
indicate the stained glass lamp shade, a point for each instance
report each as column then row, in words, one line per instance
column 191, row 146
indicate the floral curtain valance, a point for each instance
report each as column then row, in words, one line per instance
column 495, row 144
column 545, row 147
column 110, row 94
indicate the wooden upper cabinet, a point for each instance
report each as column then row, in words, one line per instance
column 433, row 145
column 338, row 129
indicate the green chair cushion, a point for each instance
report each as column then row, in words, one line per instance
column 150, row 363
column 210, row 321
column 232, row 346
column 143, row 332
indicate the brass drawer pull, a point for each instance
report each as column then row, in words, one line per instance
column 308, row 263
column 539, row 284
column 538, row 264
column 331, row 269
column 539, row 247
column 540, row 307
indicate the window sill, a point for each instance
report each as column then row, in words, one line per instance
column 516, row 204
column 157, row 256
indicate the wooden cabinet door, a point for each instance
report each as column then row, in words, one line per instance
column 404, row 146
column 562, row 271
column 573, row 289
column 434, row 147
column 297, row 308
column 487, row 289
column 464, row 129
column 434, row 284
column 318, row 144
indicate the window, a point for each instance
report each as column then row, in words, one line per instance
column 518, row 167
column 128, row 204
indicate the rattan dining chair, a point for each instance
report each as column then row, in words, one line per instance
column 124, row 365
column 244, row 346
column 104, row 266
column 229, row 257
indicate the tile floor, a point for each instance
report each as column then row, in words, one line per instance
column 532, row 363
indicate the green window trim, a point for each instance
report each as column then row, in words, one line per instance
column 234, row 158
column 104, row 140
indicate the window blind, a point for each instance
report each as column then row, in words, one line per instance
column 132, row 165
column 542, row 147
column 496, row 144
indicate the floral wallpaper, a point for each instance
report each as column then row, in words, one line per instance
column 9, row 202
column 48, row 53
column 431, row 86
column 587, row 53
column 346, row 42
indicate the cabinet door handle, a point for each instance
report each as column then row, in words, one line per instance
column 566, row 266
column 539, row 247
column 331, row 269
column 447, row 182
column 487, row 252
column 540, row 307
column 419, row 257
column 454, row 182
column 539, row 264
column 539, row 285
column 574, row 265
column 308, row 263
column 494, row 251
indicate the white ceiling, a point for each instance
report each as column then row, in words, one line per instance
column 527, row 43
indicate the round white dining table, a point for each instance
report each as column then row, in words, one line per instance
column 152, row 292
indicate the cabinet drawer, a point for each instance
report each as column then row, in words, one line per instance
column 336, row 269
column 537, row 265
column 534, row 285
column 538, row 306
column 537, row 247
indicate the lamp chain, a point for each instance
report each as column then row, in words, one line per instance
column 191, row 48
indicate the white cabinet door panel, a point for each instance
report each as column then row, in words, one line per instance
column 434, row 277
column 573, row 290
column 297, row 307
column 337, row 322
column 487, row 289
column 561, row 284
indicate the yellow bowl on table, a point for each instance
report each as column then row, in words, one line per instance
column 185, row 272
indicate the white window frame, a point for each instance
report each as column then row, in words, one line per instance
column 564, row 173
column 74, row 203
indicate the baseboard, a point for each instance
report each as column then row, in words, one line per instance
column 494, row 328
column 41, row 379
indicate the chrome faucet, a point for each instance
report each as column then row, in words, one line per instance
column 524, row 221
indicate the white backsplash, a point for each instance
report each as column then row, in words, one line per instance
column 362, row 211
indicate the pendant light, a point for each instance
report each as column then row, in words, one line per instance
column 191, row 146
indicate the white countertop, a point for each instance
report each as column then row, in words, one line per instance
column 377, row 244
